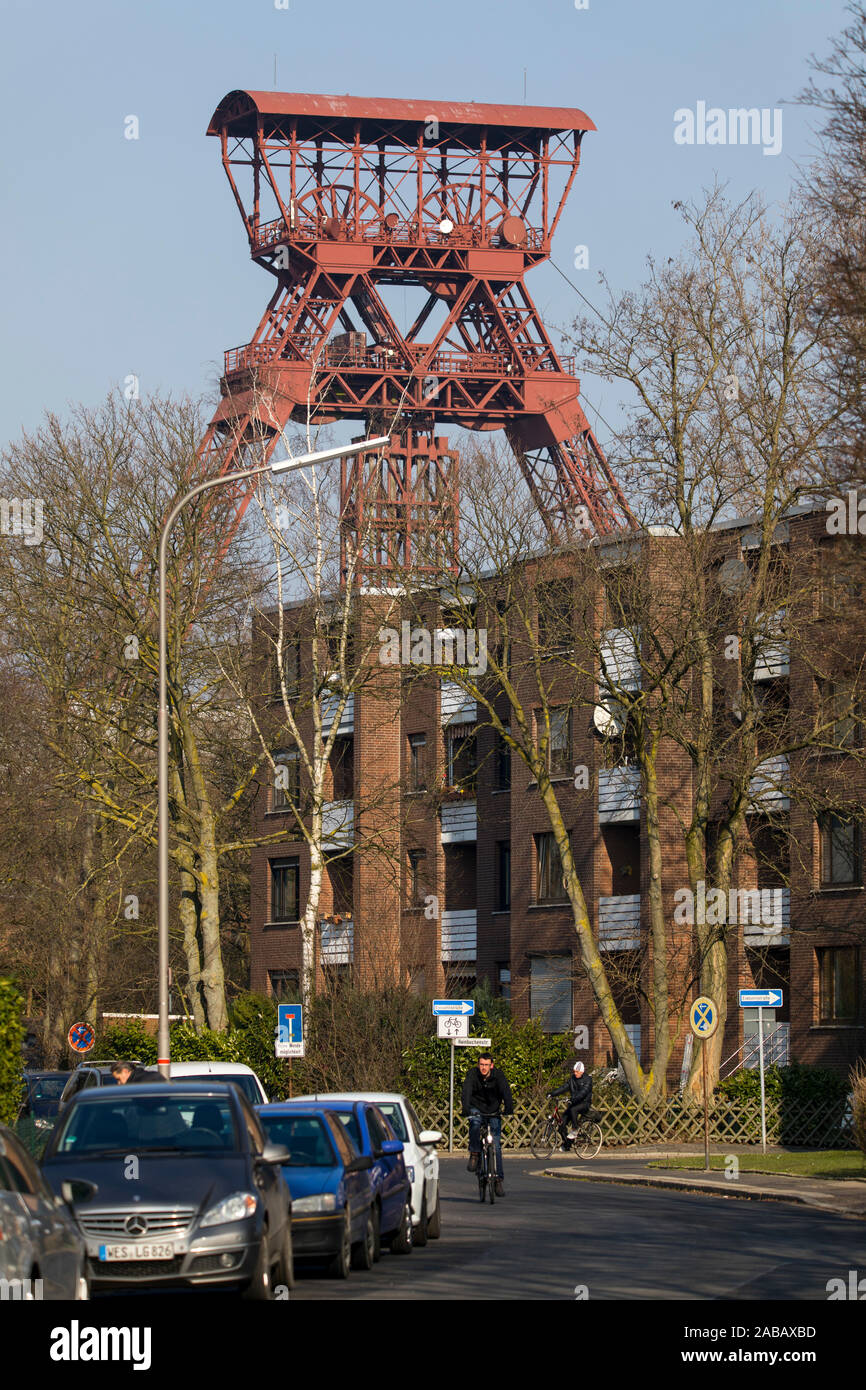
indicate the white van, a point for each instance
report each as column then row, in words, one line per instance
column 237, row 1072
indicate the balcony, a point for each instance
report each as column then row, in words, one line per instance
column 769, row 787
column 457, row 706
column 330, row 704
column 459, row 935
column 620, row 657
column 774, row 926
column 773, row 653
column 459, row 821
column 619, row 922
column 337, row 943
column 338, row 824
column 618, row 794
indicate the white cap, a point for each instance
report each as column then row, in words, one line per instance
column 578, row 1066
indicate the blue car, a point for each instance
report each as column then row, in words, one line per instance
column 372, row 1135
column 329, row 1181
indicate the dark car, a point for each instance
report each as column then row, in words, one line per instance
column 372, row 1135
column 42, row 1093
column 42, row 1253
column 174, row 1186
column 332, row 1196
column 88, row 1076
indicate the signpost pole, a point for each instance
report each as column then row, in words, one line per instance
column 761, row 1065
column 706, row 1107
column 291, row 1059
column 451, row 1103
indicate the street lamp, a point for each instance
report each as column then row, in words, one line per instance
column 288, row 465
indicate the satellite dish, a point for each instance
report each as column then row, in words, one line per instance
column 607, row 721
column 733, row 576
column 446, row 226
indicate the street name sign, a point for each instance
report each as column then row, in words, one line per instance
column 453, row 1006
column 471, row 1042
column 760, row 999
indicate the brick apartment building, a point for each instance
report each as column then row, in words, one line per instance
column 445, row 875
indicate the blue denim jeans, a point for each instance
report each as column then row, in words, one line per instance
column 495, row 1123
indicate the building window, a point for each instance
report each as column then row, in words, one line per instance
column 502, row 763
column 418, row 762
column 415, row 881
column 840, row 851
column 555, row 616
column 503, row 875
column 285, row 985
column 285, row 875
column 550, row 992
column 842, row 710
column 559, row 748
column 838, row 971
column 287, row 781
column 549, row 887
column 504, row 975
column 343, row 768
column 460, row 763
column 291, row 667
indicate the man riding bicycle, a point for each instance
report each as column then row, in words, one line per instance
column 579, row 1087
column 485, row 1091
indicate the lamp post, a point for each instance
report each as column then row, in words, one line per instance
column 288, row 465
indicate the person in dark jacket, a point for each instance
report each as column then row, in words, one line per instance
column 579, row 1087
column 485, row 1092
column 131, row 1074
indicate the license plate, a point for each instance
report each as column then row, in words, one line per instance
column 140, row 1250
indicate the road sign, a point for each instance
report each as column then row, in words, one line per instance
column 704, row 1017
column 80, row 1037
column 452, row 1026
column 471, row 1042
column 453, row 1006
column 290, row 1023
column 760, row 998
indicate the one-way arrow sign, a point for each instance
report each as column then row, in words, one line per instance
column 760, row 999
column 453, row 1006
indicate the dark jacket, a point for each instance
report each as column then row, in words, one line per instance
column 486, row 1093
column 579, row 1092
column 140, row 1077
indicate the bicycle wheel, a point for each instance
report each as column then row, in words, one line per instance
column 490, row 1192
column 544, row 1139
column 589, row 1140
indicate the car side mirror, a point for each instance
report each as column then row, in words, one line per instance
column 77, row 1190
column 430, row 1136
column 392, row 1146
column 276, row 1153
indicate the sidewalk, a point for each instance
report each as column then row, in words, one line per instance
column 843, row 1197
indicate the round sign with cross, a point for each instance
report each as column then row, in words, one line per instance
column 704, row 1017
column 80, row 1037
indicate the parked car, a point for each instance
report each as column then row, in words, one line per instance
column 419, row 1152
column 41, row 1102
column 205, row 1203
column 39, row 1239
column 332, row 1195
column 87, row 1076
column 236, row 1072
column 371, row 1134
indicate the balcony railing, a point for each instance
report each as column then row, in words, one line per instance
column 769, row 787
column 330, row 705
column 337, row 943
column 618, row 794
column 459, row 935
column 459, row 821
column 338, row 824
column 619, row 922
column 457, row 706
column 619, row 654
column 774, row 926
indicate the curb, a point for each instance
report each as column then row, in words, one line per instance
column 751, row 1194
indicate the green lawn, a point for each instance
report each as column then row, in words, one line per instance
column 821, row 1163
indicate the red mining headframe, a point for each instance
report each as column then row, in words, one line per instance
column 345, row 200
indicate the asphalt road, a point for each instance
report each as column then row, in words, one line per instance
column 550, row 1235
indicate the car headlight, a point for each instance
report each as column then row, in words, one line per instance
column 410, row 1172
column 234, row 1208
column 324, row 1201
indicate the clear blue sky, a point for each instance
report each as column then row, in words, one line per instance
column 128, row 256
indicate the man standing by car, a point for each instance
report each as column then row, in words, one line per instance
column 131, row 1074
column 485, row 1091
column 579, row 1089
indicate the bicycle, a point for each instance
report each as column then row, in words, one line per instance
column 486, row 1164
column 587, row 1136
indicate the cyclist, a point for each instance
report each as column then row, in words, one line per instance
column 579, row 1087
column 485, row 1091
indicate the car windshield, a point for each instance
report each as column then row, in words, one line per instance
column 305, row 1136
column 394, row 1115
column 181, row 1123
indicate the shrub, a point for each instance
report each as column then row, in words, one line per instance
column 858, row 1087
column 11, row 1038
column 532, row 1061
